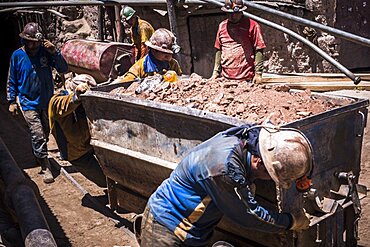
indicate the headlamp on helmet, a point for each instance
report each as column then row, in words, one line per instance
column 233, row 6
column 32, row 32
column 163, row 40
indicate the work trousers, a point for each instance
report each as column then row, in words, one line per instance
column 38, row 124
column 154, row 234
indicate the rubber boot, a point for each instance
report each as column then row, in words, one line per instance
column 46, row 170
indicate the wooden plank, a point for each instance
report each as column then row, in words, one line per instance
column 322, row 86
column 309, row 77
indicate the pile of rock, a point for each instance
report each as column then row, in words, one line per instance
column 252, row 103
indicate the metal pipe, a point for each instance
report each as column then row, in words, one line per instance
column 13, row 9
column 32, row 223
column 345, row 35
column 26, row 9
column 52, row 3
column 54, row 12
column 349, row 74
column 30, row 11
column 92, row 2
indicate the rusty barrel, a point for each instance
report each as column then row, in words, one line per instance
column 102, row 60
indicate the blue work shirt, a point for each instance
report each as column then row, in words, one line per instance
column 201, row 190
column 30, row 78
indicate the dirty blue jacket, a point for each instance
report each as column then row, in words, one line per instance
column 30, row 78
column 201, row 190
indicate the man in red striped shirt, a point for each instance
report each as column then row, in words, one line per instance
column 239, row 45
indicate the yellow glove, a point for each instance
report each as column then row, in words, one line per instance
column 13, row 109
column 170, row 76
column 301, row 220
column 257, row 79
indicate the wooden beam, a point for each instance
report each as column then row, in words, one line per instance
column 322, row 86
column 317, row 81
column 310, row 77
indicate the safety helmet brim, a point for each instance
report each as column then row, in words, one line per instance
column 286, row 154
column 149, row 44
column 32, row 32
column 27, row 37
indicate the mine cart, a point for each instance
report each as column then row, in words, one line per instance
column 139, row 142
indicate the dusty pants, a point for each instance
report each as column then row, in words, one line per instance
column 37, row 121
column 154, row 234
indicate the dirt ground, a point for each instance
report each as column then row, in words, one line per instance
column 364, row 224
column 75, row 218
column 80, row 219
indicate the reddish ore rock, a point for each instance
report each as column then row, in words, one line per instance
column 252, row 103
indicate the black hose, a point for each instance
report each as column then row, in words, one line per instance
column 34, row 228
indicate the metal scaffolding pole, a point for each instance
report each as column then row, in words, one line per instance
column 92, row 2
column 343, row 69
column 345, row 35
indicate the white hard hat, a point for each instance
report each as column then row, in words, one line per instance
column 162, row 40
column 286, row 154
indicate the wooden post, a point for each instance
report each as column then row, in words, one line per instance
column 111, row 12
column 101, row 23
column 118, row 24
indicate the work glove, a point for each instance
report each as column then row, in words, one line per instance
column 257, row 79
column 50, row 47
column 301, row 220
column 14, row 109
column 170, row 76
column 80, row 89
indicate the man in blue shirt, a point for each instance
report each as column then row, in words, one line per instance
column 30, row 84
column 216, row 179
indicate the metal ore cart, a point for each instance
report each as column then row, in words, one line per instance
column 139, row 142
